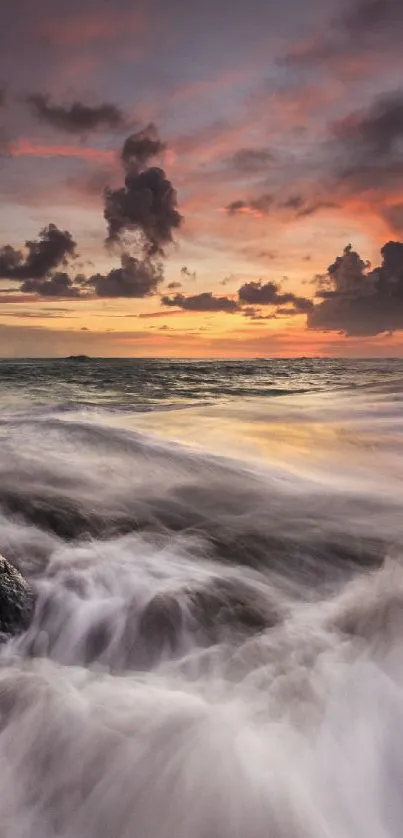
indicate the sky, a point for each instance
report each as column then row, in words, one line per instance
column 216, row 179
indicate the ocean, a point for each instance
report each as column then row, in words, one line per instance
column 216, row 553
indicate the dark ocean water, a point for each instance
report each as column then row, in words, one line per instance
column 216, row 551
column 135, row 384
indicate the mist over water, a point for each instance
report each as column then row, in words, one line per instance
column 216, row 649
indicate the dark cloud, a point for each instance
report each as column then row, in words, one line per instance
column 253, row 293
column 270, row 294
column 152, row 315
column 346, row 276
column 376, row 131
column 140, row 148
column 392, row 266
column 301, row 305
column 175, row 286
column 299, row 205
column 357, row 301
column 58, row 285
column 261, row 204
column 187, row 274
column 371, row 16
column 147, row 203
column 236, row 206
column 294, row 202
column 52, row 249
column 365, row 148
column 3, row 97
column 283, row 311
column 77, row 118
column 257, row 293
column 361, row 26
column 303, row 207
column 393, row 215
column 37, row 270
column 201, row 302
column 251, row 160
column 361, row 156
column 134, row 278
column 315, row 206
column 256, row 314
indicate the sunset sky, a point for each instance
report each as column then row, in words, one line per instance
column 201, row 167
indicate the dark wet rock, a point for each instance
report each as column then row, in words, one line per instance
column 16, row 600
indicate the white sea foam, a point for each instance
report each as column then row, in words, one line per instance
column 217, row 647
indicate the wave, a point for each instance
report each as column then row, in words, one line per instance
column 216, row 643
column 144, row 384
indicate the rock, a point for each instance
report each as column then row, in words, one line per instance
column 16, row 600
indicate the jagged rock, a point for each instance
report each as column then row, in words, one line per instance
column 16, row 600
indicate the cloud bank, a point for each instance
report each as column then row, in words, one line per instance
column 357, row 301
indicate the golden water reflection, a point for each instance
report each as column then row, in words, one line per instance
column 307, row 434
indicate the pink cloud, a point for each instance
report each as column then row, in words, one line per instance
column 25, row 147
column 95, row 26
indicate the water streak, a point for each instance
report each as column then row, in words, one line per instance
column 217, row 642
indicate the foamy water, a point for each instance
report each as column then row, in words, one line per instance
column 217, row 646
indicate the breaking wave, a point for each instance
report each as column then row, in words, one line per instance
column 216, row 648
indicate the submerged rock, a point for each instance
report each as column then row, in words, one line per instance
column 16, row 600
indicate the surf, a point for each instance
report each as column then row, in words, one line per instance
column 216, row 642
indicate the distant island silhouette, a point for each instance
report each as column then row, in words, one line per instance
column 78, row 358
